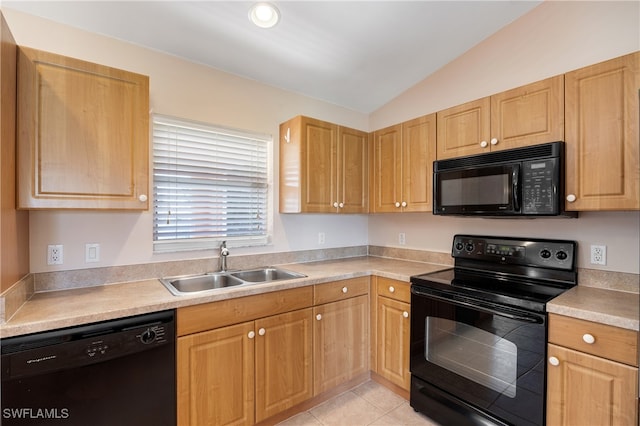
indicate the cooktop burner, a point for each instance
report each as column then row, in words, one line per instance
column 506, row 271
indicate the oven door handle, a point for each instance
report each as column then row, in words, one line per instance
column 480, row 306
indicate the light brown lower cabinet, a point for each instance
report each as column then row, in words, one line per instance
column 228, row 374
column 585, row 390
column 341, row 342
column 392, row 319
column 592, row 374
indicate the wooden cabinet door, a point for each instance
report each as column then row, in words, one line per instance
column 319, row 168
column 386, row 169
column 603, row 165
column 462, row 128
column 215, row 377
column 528, row 115
column 83, row 134
column 393, row 341
column 418, row 154
column 283, row 371
column 340, row 341
column 589, row 391
column 353, row 177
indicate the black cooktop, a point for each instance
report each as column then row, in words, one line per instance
column 524, row 273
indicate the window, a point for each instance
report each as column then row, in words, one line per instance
column 209, row 185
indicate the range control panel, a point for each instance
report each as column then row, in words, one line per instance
column 557, row 254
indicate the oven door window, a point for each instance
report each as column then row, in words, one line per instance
column 473, row 353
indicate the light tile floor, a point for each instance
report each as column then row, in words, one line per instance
column 369, row 404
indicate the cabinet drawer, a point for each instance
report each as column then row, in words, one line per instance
column 207, row 316
column 394, row 289
column 614, row 343
column 339, row 290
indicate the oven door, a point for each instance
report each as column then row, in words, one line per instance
column 482, row 359
column 487, row 190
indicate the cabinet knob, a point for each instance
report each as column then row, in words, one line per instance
column 588, row 338
column 319, row 317
column 397, row 204
column 494, row 141
column 571, row 198
column 335, row 204
column 262, row 331
column 341, row 205
column 554, row 361
column 405, row 314
column 345, row 289
column 143, row 198
column 484, row 144
column 251, row 334
column 392, row 289
column 404, row 204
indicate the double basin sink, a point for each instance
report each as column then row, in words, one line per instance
column 194, row 284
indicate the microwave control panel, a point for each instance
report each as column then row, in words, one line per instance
column 538, row 187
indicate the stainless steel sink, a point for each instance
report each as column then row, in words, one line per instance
column 193, row 284
column 199, row 283
column 261, row 275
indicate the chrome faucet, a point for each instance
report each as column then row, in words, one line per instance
column 224, row 252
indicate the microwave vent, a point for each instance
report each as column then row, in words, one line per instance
column 546, row 150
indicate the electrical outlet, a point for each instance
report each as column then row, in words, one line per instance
column 320, row 237
column 54, row 254
column 91, row 253
column 598, row 255
column 402, row 240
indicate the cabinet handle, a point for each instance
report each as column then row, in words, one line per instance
column 262, row 331
column 345, row 289
column 404, row 204
column 484, row 144
column 554, row 361
column 571, row 198
column 405, row 314
column 143, row 198
column 392, row 289
column 319, row 317
column 335, row 204
column 251, row 334
column 588, row 338
column 341, row 205
column 494, row 141
column 397, row 204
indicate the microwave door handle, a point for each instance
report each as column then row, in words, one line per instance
column 515, row 187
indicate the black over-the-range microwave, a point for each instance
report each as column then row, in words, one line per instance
column 519, row 182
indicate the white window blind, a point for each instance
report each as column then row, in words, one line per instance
column 209, row 183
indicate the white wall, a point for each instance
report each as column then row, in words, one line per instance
column 553, row 38
column 187, row 90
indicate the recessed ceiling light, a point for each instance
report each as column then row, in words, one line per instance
column 264, row 15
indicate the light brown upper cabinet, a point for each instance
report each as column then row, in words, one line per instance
column 323, row 167
column 83, row 134
column 402, row 166
column 603, row 168
column 523, row 116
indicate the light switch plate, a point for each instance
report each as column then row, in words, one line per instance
column 91, row 253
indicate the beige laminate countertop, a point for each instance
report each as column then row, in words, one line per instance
column 65, row 308
column 617, row 308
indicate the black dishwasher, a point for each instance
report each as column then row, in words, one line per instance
column 117, row 372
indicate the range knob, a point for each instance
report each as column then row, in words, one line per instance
column 545, row 254
column 459, row 246
column 469, row 247
column 148, row 336
column 561, row 255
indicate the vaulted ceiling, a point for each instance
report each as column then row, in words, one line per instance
column 356, row 54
